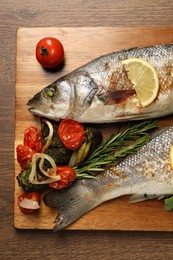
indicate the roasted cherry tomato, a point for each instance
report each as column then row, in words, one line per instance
column 68, row 175
column 49, row 52
column 71, row 133
column 32, row 138
column 32, row 197
column 24, row 155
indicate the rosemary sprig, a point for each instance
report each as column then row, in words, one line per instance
column 116, row 146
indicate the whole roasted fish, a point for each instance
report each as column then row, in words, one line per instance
column 146, row 174
column 101, row 91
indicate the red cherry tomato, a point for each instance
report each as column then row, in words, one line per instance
column 32, row 138
column 33, row 196
column 68, row 175
column 24, row 155
column 49, row 52
column 71, row 133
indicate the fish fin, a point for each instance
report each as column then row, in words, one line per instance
column 71, row 203
column 141, row 197
column 116, row 96
column 127, row 50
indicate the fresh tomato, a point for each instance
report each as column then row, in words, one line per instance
column 68, row 175
column 49, row 52
column 32, row 138
column 33, row 198
column 24, row 155
column 71, row 133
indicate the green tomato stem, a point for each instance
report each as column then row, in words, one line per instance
column 44, row 51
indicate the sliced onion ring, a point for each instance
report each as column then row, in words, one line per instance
column 50, row 135
column 33, row 178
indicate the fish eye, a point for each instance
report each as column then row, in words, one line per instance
column 48, row 93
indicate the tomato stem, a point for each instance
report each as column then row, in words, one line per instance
column 44, row 51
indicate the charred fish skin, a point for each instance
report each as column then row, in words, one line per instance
column 101, row 92
column 144, row 175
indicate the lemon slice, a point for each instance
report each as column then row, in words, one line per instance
column 144, row 78
column 171, row 156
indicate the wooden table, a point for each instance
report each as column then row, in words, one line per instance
column 67, row 244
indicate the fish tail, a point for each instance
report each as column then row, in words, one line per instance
column 71, row 203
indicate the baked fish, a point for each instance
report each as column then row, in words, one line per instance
column 146, row 174
column 101, row 91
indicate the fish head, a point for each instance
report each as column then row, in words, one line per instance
column 53, row 102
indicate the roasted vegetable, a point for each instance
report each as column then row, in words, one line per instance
column 61, row 154
column 29, row 202
column 71, row 133
column 56, row 150
column 93, row 137
column 23, row 181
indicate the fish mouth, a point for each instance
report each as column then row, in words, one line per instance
column 39, row 113
column 36, row 112
column 34, row 108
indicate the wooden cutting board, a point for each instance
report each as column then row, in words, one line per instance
column 82, row 45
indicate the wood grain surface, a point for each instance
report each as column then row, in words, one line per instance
column 141, row 216
column 67, row 244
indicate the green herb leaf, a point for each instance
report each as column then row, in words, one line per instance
column 168, row 204
column 116, row 146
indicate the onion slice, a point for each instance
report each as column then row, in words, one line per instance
column 49, row 137
column 29, row 204
column 51, row 174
